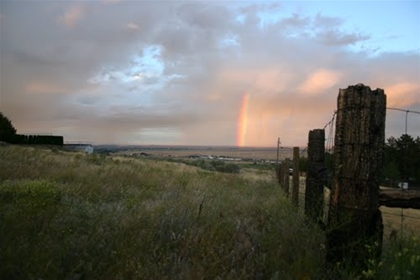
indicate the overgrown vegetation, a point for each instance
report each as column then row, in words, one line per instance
column 402, row 160
column 75, row 216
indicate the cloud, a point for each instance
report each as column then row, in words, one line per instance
column 320, row 80
column 145, row 72
column 73, row 15
column 40, row 87
column 132, row 26
column 335, row 38
column 403, row 95
column 111, row 1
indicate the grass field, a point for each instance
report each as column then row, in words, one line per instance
column 73, row 216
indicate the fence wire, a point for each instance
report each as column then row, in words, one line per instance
column 404, row 219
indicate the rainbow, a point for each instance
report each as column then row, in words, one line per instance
column 242, row 121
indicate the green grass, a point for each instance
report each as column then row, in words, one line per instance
column 74, row 216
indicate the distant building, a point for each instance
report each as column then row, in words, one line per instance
column 80, row 147
column 89, row 150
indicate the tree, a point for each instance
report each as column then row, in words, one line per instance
column 402, row 158
column 390, row 172
column 6, row 127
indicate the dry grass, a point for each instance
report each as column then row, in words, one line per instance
column 394, row 217
column 75, row 216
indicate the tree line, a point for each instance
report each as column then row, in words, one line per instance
column 8, row 134
column 402, row 160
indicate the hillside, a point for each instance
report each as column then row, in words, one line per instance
column 74, row 216
column 68, row 215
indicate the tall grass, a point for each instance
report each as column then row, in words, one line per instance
column 74, row 216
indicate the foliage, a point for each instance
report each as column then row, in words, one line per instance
column 401, row 260
column 6, row 126
column 218, row 165
column 391, row 173
column 8, row 135
column 402, row 160
column 211, row 165
column 33, row 139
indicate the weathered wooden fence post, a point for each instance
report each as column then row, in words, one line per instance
column 286, row 177
column 316, row 175
column 295, row 178
column 279, row 173
column 278, row 164
column 354, row 217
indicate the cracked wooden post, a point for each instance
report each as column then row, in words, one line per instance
column 354, row 217
column 316, row 176
column 295, row 178
column 286, row 176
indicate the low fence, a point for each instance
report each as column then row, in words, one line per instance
column 400, row 208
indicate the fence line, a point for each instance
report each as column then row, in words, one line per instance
column 401, row 214
column 351, row 210
column 329, row 129
column 406, row 220
column 406, row 114
column 398, row 215
column 330, row 126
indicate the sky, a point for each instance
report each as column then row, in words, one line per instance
column 236, row 73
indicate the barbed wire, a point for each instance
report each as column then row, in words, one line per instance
column 329, row 129
column 332, row 120
column 303, row 151
column 330, row 138
column 408, row 220
column 406, row 114
column 403, row 110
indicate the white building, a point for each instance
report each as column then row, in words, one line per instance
column 89, row 150
column 80, row 147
